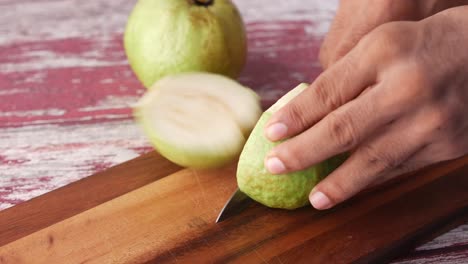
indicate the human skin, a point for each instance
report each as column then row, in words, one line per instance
column 356, row 18
column 396, row 97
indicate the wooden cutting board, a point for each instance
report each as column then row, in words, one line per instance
column 149, row 210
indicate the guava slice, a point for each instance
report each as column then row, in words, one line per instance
column 287, row 191
column 198, row 120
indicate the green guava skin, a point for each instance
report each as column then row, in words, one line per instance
column 213, row 155
column 286, row 191
column 164, row 37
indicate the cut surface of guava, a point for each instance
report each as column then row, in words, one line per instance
column 198, row 120
column 287, row 191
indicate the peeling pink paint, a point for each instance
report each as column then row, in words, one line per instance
column 66, row 90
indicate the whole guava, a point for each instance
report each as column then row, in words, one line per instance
column 287, row 191
column 164, row 37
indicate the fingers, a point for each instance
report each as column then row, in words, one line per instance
column 356, row 19
column 425, row 156
column 336, row 86
column 351, row 23
column 377, row 157
column 338, row 27
column 339, row 42
column 340, row 131
column 412, row 164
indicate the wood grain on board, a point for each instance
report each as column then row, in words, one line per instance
column 66, row 93
column 172, row 219
column 82, row 195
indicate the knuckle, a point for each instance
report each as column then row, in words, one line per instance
column 291, row 156
column 336, row 191
column 379, row 160
column 403, row 168
column 418, row 73
column 438, row 119
column 384, row 42
column 386, row 38
column 414, row 85
column 417, row 79
column 296, row 113
column 340, row 51
column 342, row 131
column 323, row 90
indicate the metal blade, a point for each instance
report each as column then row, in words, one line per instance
column 236, row 204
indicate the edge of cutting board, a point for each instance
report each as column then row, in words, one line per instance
column 30, row 217
column 62, row 203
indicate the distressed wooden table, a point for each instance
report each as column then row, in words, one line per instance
column 66, row 91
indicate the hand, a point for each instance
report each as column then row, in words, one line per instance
column 398, row 99
column 356, row 18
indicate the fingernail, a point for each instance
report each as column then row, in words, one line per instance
column 275, row 165
column 320, row 201
column 276, row 131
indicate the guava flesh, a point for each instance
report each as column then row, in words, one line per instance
column 198, row 120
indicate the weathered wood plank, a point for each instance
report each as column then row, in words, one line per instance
column 25, row 218
column 66, row 89
column 173, row 219
column 37, row 159
column 72, row 88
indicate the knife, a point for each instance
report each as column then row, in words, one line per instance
column 236, row 204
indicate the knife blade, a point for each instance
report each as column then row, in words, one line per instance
column 236, row 204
